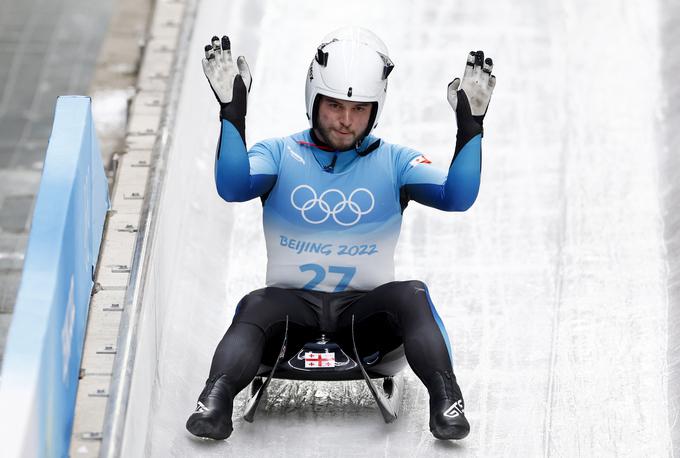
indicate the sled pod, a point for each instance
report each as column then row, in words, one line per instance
column 323, row 360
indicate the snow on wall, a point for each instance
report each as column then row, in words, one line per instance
column 670, row 189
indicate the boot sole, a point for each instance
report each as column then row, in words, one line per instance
column 202, row 427
column 455, row 434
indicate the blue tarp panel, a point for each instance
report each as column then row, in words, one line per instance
column 45, row 341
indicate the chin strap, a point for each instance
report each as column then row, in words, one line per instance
column 322, row 145
column 369, row 149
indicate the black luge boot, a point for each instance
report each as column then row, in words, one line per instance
column 212, row 418
column 447, row 417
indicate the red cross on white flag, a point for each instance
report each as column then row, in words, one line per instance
column 317, row 360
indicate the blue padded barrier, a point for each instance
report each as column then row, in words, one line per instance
column 44, row 346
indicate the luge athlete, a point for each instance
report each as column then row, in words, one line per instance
column 333, row 200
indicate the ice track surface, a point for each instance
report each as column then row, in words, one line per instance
column 552, row 287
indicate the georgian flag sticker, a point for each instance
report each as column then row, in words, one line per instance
column 317, row 360
column 420, row 160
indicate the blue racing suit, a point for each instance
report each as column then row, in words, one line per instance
column 332, row 219
column 331, row 223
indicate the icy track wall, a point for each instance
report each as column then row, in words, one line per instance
column 553, row 286
column 45, row 341
column 670, row 189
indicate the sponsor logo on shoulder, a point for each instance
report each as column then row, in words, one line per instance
column 455, row 409
column 420, row 160
column 295, row 155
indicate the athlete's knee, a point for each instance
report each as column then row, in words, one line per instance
column 263, row 307
column 405, row 287
column 251, row 305
column 413, row 291
column 408, row 297
column 414, row 286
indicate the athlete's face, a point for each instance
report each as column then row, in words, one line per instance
column 341, row 122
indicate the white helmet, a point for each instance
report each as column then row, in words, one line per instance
column 352, row 64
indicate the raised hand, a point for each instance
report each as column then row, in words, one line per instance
column 229, row 81
column 222, row 73
column 478, row 84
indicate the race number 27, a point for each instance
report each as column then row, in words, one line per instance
column 320, row 273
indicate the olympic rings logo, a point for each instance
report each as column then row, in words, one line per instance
column 331, row 202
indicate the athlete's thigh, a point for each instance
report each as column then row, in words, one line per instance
column 269, row 308
column 376, row 317
column 397, row 300
column 390, row 310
